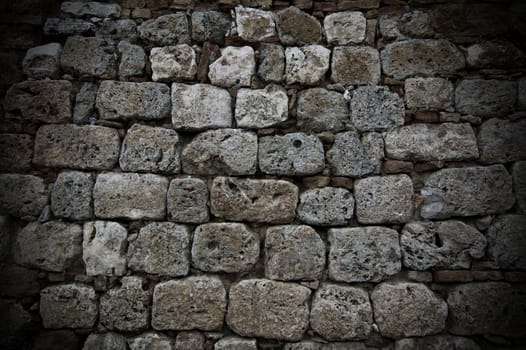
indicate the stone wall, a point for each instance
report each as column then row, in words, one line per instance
column 257, row 174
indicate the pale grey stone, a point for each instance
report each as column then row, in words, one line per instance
column 22, row 195
column 133, row 60
column 428, row 94
column 105, row 341
column 16, row 152
column 254, row 25
column 90, row 9
column 507, row 242
column 467, row 192
column 221, row 152
column 485, row 98
column 502, row 141
column 224, row 247
column 104, row 248
column 327, row 206
column 430, row 142
column 85, row 104
column 151, row 340
column 189, row 340
column 363, row 254
column 187, row 201
column 293, row 252
column 321, row 110
column 440, row 245
column 343, row 28
column 71, row 195
column 173, row 63
column 296, row 27
column 67, row 26
column 270, row 201
column 166, row 30
column 210, row 26
column 494, row 54
column 355, row 65
column 43, row 61
column 261, row 108
column 304, row 345
column 235, row 343
column 376, row 108
column 234, row 67
column 200, row 106
column 120, row 29
column 341, row 313
column 271, row 63
column 59, row 146
column 519, row 184
column 436, row 342
column 131, row 196
column 268, row 309
column 306, row 64
column 68, row 306
column 89, row 58
column 189, row 303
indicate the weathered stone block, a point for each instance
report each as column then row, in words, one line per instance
column 77, row 147
column 254, row 25
column 131, row 196
column 120, row 29
column 133, row 60
column 43, row 61
column 150, row 340
column 173, row 63
column 519, row 184
column 90, row 9
column 261, row 108
column 271, row 63
column 22, row 195
column 494, row 54
column 436, row 342
column 16, row 152
column 428, row 94
column 235, row 343
column 271, row 201
column 376, row 108
column 305, row 345
column 187, row 201
column 485, row 98
column 467, row 192
column 89, row 58
column 307, row 64
column 189, row 340
column 327, row 206
column 85, row 104
column 502, row 141
column 210, row 26
column 296, row 27
column 190, row 303
column 321, row 110
column 105, row 341
column 507, row 243
column 224, row 247
column 343, row 28
column 67, row 26
column 355, row 65
column 416, row 23
column 166, row 30
column 104, row 248
column 234, row 67
column 268, row 309
column 71, row 195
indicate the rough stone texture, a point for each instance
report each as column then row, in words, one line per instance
column 68, row 306
column 430, row 142
column 121, row 29
column 71, row 195
column 16, row 152
column 105, row 341
column 494, row 54
column 77, row 147
column 327, row 206
column 133, row 60
column 124, row 101
column 261, row 108
column 268, row 309
column 341, row 313
column 440, row 245
column 187, row 201
column 254, row 25
column 131, row 196
column 210, row 25
column 189, row 340
column 46, row 101
column 502, row 141
column 343, row 28
column 43, row 61
column 376, row 108
column 52, row 246
column 507, row 243
column 90, row 9
column 150, row 149
column 270, row 201
column 173, row 63
column 200, row 106
column 321, row 110
column 363, row 254
column 67, row 26
column 22, row 195
column 235, row 343
column 492, row 308
column 428, row 94
column 166, row 30
column 519, row 184
column 350, row 156
column 104, row 248
column 126, row 308
column 272, row 63
column 467, row 192
column 485, row 98
column 234, row 67
column 426, row 57
column 85, row 104
column 296, row 27
column 221, row 152
column 355, row 65
column 408, row 309
column 89, row 57
column 190, row 303
column 307, row 64
column 224, row 247
column 151, row 340
column 293, row 252
column 436, row 342
column 295, row 154
column 304, row 345
column 416, row 23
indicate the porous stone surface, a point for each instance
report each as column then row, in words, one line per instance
column 254, row 25
column 440, row 245
column 341, row 313
column 71, row 195
column 173, row 63
column 519, row 184
column 270, row 201
column 121, row 29
column 187, row 201
column 428, row 94
column 43, row 61
column 104, row 248
column 89, row 57
column 85, row 104
column 268, row 309
column 436, row 342
column 161, row 248
column 502, row 141
column 210, row 25
column 485, row 98
column 306, row 64
column 22, row 194
column 224, row 247
column 261, row 108
column 77, row 147
column 166, row 30
column 494, row 54
column 234, row 67
column 189, row 340
column 235, row 343
column 419, row 311
column 296, row 27
column 132, row 196
column 16, row 152
column 326, row 206
column 466, row 192
column 376, row 108
column 67, row 26
column 293, row 252
column 200, row 106
column 190, row 303
column 343, row 28
column 271, row 63
column 151, row 340
column 355, row 65
column 507, row 243
column 304, row 345
column 430, row 142
column 105, row 341
column 90, row 9
column 221, row 152
column 133, row 60
column 321, row 110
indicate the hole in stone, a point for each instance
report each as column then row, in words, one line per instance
column 296, row 143
column 438, row 241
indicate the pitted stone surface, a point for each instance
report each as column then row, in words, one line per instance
column 71, row 196
column 131, row 196
column 85, row 104
column 105, row 341
column 519, row 184
column 166, row 30
column 296, row 27
column 304, row 345
column 234, row 67
column 268, row 309
column 271, row 63
column 355, row 65
column 235, row 343
column 173, row 63
column 89, row 57
column 121, row 29
column 210, row 25
column 428, row 94
column 363, row 254
column 43, row 61
column 187, row 201
column 485, row 98
column 429, row 142
column 293, row 252
column 270, row 201
column 16, row 152
column 307, row 64
column 189, row 340
column 376, row 108
column 502, row 141
column 507, row 243
column 67, row 26
column 200, row 106
column 440, row 245
column 261, row 108
column 436, row 342
column 161, row 248
column 467, row 192
column 151, row 340
column 221, row 152
column 90, row 9
column 494, row 54
column 190, row 303
column 295, row 154
column 133, row 60
column 224, row 247
column 104, row 248
column 326, row 206
column 343, row 28
column 341, row 313
column 320, row 110
column 254, row 25
column 22, row 194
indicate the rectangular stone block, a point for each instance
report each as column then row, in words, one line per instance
column 355, row 65
column 71, row 196
column 16, row 152
column 187, row 201
column 485, row 98
column 104, row 248
column 428, row 94
column 89, row 57
column 22, row 195
column 502, row 141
